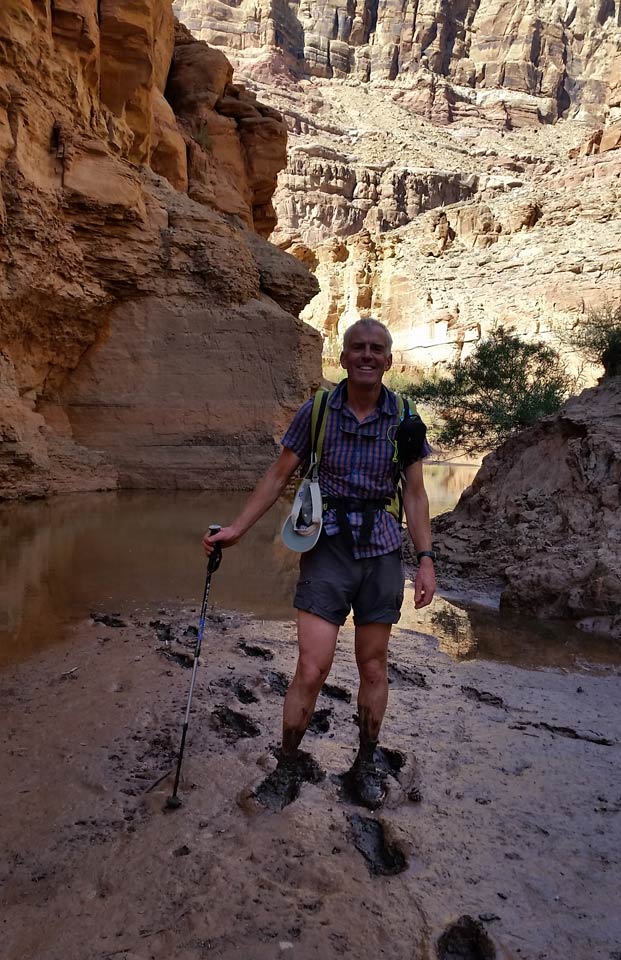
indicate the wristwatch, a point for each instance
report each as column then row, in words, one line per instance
column 426, row 553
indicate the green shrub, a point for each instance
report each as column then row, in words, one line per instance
column 506, row 384
column 597, row 338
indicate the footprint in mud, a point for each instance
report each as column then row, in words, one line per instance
column 384, row 857
column 283, row 784
column 243, row 693
column 252, row 650
column 388, row 762
column 277, row 682
column 320, row 720
column 336, row 693
column 233, row 725
column 466, row 939
column 398, row 673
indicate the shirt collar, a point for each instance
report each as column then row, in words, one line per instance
column 386, row 404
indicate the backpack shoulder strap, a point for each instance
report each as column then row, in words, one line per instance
column 318, row 423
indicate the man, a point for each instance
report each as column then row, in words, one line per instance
column 360, row 566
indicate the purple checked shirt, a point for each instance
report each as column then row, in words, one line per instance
column 356, row 462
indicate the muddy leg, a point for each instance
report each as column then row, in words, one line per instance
column 371, row 657
column 316, row 643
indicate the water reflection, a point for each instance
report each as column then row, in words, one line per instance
column 62, row 559
column 486, row 634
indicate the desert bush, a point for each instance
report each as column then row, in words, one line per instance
column 597, row 337
column 504, row 385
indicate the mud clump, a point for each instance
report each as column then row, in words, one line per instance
column 389, row 761
column 383, row 857
column 253, row 650
column 336, row 693
column 277, row 682
column 466, row 939
column 482, row 696
column 108, row 620
column 233, row 725
column 320, row 720
column 414, row 677
column 283, row 784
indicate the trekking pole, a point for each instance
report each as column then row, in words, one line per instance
column 173, row 802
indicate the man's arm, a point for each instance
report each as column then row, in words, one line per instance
column 416, row 507
column 265, row 494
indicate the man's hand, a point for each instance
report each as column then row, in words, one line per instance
column 425, row 583
column 225, row 537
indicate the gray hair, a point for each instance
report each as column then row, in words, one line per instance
column 367, row 323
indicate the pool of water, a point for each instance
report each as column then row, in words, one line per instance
column 64, row 558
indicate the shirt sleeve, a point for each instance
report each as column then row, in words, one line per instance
column 297, row 437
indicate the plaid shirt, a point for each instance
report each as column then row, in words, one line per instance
column 356, row 462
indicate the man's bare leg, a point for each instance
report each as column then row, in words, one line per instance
column 316, row 646
column 372, row 659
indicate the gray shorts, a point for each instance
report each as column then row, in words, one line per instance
column 332, row 582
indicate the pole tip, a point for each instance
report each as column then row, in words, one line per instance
column 172, row 803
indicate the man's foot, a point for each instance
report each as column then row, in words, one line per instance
column 368, row 783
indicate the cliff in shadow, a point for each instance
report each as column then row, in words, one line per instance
column 139, row 300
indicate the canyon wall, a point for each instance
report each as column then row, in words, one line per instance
column 534, row 59
column 451, row 166
column 138, row 296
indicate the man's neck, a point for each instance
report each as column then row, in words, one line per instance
column 362, row 402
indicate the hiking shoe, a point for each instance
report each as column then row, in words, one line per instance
column 368, row 784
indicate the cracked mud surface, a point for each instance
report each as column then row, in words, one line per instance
column 502, row 803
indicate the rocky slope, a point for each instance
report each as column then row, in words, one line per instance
column 137, row 296
column 430, row 177
column 544, row 514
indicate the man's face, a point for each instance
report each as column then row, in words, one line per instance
column 366, row 358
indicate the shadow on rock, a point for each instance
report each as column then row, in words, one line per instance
column 283, row 784
column 383, row 856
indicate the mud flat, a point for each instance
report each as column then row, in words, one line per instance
column 504, row 804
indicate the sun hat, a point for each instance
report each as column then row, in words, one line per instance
column 302, row 527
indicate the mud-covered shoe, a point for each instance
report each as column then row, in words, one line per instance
column 368, row 783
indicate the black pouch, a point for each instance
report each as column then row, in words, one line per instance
column 410, row 439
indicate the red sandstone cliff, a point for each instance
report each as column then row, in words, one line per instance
column 138, row 300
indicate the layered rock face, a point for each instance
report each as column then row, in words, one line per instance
column 533, row 59
column 544, row 513
column 451, row 171
column 132, row 315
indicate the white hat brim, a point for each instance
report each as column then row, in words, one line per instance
column 295, row 541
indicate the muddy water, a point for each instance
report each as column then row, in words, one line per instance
column 63, row 559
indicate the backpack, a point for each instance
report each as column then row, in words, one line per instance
column 318, row 432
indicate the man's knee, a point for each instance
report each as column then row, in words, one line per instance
column 311, row 674
column 373, row 670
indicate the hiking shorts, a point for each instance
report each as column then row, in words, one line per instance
column 332, row 581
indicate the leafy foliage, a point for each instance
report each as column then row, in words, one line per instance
column 597, row 337
column 506, row 384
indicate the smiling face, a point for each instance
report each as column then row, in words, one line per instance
column 366, row 356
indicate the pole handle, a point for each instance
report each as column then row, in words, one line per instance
column 214, row 559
